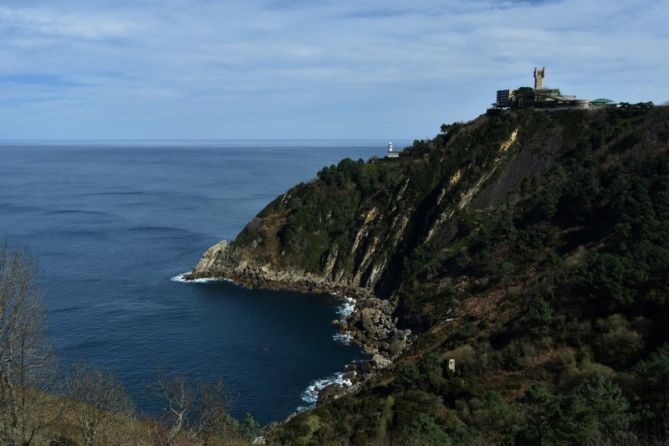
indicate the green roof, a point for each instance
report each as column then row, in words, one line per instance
column 602, row 101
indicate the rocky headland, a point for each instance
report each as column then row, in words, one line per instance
column 512, row 265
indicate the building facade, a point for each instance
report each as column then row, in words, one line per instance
column 538, row 97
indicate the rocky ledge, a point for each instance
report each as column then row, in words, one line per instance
column 372, row 326
column 223, row 262
column 370, row 323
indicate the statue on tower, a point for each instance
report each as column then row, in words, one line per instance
column 539, row 78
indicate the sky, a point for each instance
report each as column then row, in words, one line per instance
column 309, row 69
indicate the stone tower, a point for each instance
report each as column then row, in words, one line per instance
column 539, row 78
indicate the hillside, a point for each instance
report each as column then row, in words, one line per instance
column 532, row 248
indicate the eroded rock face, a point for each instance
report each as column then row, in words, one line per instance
column 225, row 262
column 381, row 361
column 209, row 258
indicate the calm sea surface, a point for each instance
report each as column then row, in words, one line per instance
column 112, row 223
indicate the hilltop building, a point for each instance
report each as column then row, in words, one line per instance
column 538, row 97
column 391, row 153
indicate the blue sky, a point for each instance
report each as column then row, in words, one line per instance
column 164, row 69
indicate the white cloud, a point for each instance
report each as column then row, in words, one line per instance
column 48, row 22
column 330, row 64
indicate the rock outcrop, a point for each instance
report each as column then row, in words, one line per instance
column 225, row 262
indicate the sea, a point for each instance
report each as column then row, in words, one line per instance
column 113, row 225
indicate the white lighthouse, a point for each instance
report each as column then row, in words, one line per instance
column 392, row 154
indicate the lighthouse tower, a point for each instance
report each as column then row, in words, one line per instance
column 391, row 153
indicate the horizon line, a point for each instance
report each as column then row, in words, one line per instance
column 14, row 140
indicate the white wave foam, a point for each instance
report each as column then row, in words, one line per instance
column 347, row 307
column 345, row 337
column 310, row 395
column 182, row 279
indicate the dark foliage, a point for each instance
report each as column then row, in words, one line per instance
column 554, row 254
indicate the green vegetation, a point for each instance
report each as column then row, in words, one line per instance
column 540, row 264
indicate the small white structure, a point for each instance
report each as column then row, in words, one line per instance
column 451, row 365
column 392, row 154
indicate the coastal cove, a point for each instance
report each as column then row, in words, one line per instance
column 112, row 224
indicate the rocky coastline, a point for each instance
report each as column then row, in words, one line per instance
column 371, row 326
column 369, row 323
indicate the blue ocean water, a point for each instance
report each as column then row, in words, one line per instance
column 112, row 223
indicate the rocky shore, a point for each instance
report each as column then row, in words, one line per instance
column 371, row 326
column 369, row 323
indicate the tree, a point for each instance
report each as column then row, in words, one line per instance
column 430, row 364
column 199, row 412
column 540, row 410
column 212, row 414
column 99, row 397
column 495, row 413
column 595, row 413
column 178, row 400
column 617, row 344
column 26, row 362
column 425, row 431
column 653, row 389
column 538, row 317
column 250, row 425
column 607, row 415
column 407, row 375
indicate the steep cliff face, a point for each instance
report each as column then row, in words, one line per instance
column 356, row 225
column 366, row 226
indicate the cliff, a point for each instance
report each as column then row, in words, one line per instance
column 530, row 248
column 357, row 224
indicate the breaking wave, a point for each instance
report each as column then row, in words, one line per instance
column 310, row 395
column 347, row 307
column 182, row 279
column 344, row 338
